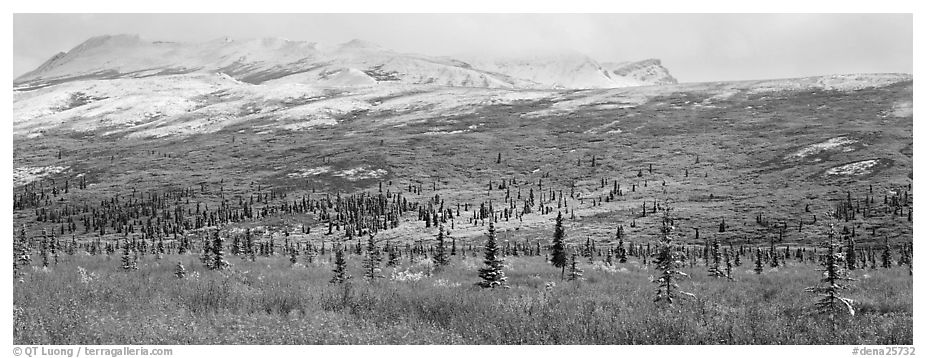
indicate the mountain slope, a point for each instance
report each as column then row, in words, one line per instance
column 355, row 63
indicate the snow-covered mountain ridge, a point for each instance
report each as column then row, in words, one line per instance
column 355, row 63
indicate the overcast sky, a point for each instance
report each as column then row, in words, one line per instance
column 694, row 47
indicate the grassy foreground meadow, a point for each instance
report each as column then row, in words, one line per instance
column 91, row 300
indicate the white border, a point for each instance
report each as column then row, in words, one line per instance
column 473, row 6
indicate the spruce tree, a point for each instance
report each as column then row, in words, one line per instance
column 492, row 275
column 621, row 252
column 440, row 252
column 179, row 270
column 53, row 246
column 668, row 261
column 127, row 262
column 910, row 262
column 249, row 245
column 587, row 250
column 340, row 267
column 729, row 269
column 206, row 256
column 850, row 254
column 182, row 246
column 371, row 262
column 575, row 273
column 22, row 258
column 886, row 255
column 293, row 256
column 759, row 266
column 559, row 246
column 393, row 258
column 218, row 257
column 831, row 302
column 160, row 248
column 44, row 249
column 714, row 270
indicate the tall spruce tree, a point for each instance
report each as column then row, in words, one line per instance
column 372, row 260
column 340, row 267
column 127, row 262
column 293, row 256
column 886, row 255
column 559, row 246
column 850, row 253
column 831, row 302
column 22, row 258
column 44, row 249
column 492, row 275
column 179, row 270
column 575, row 272
column 759, row 266
column 218, row 255
column 440, row 251
column 714, row 270
column 729, row 265
column 668, row 262
column 393, row 256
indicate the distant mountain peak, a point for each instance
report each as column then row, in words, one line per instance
column 649, row 71
column 359, row 45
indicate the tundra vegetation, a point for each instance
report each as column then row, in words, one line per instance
column 703, row 220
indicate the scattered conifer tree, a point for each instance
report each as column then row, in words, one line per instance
column 773, row 254
column 44, row 249
column 729, row 269
column 22, row 258
column 393, row 258
column 492, row 275
column 886, row 255
column 850, row 254
column 714, row 270
column 218, row 259
column 559, row 246
column 179, row 270
column 340, row 267
column 440, row 252
column 127, row 261
column 372, row 260
column 575, row 272
column 831, row 302
column 293, row 256
column 759, row 266
column 668, row 262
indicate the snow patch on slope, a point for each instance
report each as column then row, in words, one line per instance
column 305, row 173
column 857, row 168
column 26, row 175
column 360, row 173
column 829, row 144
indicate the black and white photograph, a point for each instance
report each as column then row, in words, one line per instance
column 456, row 179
